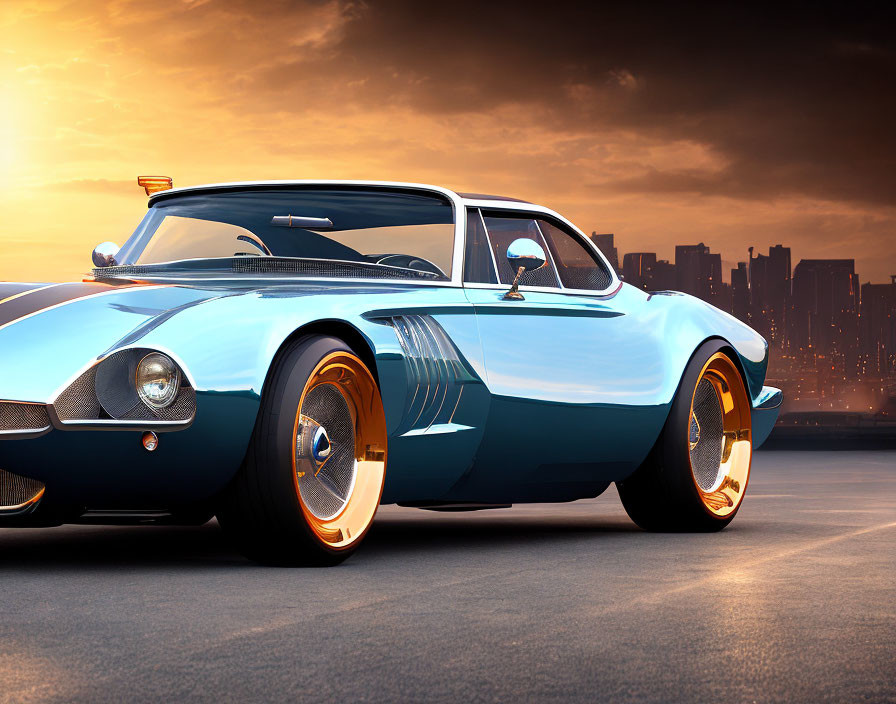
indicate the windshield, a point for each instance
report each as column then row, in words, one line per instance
column 399, row 230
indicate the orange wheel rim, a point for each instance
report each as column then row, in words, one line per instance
column 720, row 448
column 339, row 457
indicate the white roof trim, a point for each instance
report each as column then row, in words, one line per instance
column 308, row 182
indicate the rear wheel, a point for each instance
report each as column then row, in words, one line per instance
column 696, row 475
column 313, row 476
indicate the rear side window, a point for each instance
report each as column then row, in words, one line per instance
column 504, row 230
column 577, row 266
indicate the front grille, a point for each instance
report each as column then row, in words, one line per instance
column 16, row 491
column 23, row 417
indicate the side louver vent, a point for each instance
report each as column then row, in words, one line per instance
column 435, row 372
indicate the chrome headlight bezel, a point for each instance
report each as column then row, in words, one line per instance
column 157, row 401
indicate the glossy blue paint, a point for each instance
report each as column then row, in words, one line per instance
column 582, row 385
column 549, row 398
column 765, row 412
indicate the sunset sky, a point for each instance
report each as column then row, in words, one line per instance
column 735, row 127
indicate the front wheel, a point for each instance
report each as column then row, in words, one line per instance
column 696, row 475
column 314, row 473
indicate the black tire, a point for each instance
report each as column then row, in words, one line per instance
column 263, row 511
column 663, row 494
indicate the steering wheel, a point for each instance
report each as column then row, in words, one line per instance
column 407, row 261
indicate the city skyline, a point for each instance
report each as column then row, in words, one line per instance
column 832, row 339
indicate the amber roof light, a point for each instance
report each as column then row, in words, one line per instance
column 154, row 184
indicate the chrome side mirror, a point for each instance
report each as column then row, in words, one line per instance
column 104, row 255
column 523, row 255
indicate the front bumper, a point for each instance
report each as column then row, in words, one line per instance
column 766, row 407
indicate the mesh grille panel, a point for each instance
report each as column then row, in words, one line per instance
column 182, row 409
column 78, row 401
column 590, row 278
column 307, row 267
column 539, row 277
column 23, row 416
column 327, row 493
column 706, row 436
column 16, row 490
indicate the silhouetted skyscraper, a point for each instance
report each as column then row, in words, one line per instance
column 662, row 276
column 605, row 244
column 825, row 314
column 698, row 271
column 877, row 329
column 636, row 268
column 770, row 288
column 740, row 293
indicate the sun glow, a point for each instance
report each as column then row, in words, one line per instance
column 10, row 138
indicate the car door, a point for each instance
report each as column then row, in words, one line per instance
column 573, row 385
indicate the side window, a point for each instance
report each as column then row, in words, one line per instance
column 504, row 230
column 577, row 266
column 478, row 265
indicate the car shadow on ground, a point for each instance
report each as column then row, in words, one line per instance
column 154, row 547
column 452, row 532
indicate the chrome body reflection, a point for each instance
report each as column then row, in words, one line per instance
column 469, row 379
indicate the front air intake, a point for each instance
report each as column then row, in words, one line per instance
column 18, row 492
column 23, row 417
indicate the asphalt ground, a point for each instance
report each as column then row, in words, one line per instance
column 795, row 602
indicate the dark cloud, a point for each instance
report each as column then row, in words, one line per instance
column 795, row 99
column 792, row 99
column 788, row 99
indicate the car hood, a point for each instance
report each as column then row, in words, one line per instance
column 224, row 332
column 49, row 333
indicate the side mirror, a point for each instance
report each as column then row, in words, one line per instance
column 523, row 255
column 104, row 254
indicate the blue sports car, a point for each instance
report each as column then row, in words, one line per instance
column 289, row 355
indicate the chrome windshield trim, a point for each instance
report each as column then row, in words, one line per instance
column 287, row 280
column 98, row 273
column 457, row 205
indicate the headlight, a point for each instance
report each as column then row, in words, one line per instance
column 158, row 380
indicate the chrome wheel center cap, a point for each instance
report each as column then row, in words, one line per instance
column 320, row 445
